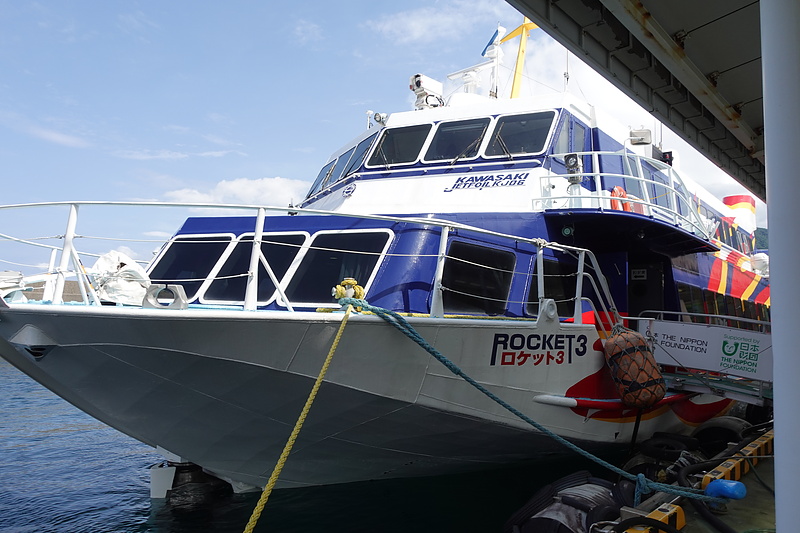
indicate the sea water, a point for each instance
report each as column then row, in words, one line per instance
column 63, row 471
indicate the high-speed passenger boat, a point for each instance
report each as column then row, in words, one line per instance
column 512, row 234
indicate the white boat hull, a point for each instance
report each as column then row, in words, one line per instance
column 223, row 389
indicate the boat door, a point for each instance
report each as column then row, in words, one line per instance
column 645, row 286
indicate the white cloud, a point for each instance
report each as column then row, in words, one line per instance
column 265, row 191
column 441, row 21
column 219, row 153
column 56, row 137
column 146, row 155
column 26, row 126
column 150, row 154
column 158, row 234
column 135, row 23
column 127, row 250
column 220, row 118
column 306, row 31
column 216, row 139
column 176, row 128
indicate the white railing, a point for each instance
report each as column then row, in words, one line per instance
column 666, row 200
column 71, row 266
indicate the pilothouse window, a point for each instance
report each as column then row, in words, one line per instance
column 338, row 169
column 358, row 155
column 520, row 134
column 457, row 140
column 399, row 145
column 322, row 178
column 342, row 166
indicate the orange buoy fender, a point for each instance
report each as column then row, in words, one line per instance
column 634, row 369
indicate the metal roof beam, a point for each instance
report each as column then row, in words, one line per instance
column 664, row 48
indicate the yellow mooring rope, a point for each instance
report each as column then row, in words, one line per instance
column 296, row 431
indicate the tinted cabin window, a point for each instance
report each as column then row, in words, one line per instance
column 231, row 282
column 477, row 279
column 188, row 261
column 659, row 187
column 399, row 145
column 520, row 134
column 358, row 155
column 682, row 205
column 634, row 187
column 722, row 309
column 562, row 142
column 333, row 257
column 338, row 169
column 559, row 284
column 322, row 177
column 691, row 299
column 578, row 137
column 457, row 140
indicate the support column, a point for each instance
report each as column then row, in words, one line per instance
column 780, row 51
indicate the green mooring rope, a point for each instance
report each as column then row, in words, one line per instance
column 643, row 485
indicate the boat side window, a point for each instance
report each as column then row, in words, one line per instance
column 735, row 308
column 358, row 156
column 750, row 312
column 687, row 263
column 763, row 312
column 322, row 177
column 562, row 141
column 691, row 299
column 744, row 242
column 578, row 137
column 633, row 186
column 331, row 258
column 712, row 219
column 682, row 199
column 457, row 140
column 520, row 134
column 720, row 304
column 338, row 169
column 188, row 261
column 399, row 145
column 659, row 183
column 230, row 282
column 560, row 282
column 477, row 279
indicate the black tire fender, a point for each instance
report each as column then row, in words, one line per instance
column 715, row 434
column 662, row 448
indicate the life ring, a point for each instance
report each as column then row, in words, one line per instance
column 619, row 192
column 634, row 369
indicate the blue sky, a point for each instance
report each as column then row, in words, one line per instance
column 168, row 100
column 238, row 101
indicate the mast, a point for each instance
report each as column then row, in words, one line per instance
column 523, row 32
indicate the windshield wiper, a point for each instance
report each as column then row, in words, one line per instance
column 464, row 152
column 503, row 143
column 383, row 155
column 470, row 146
